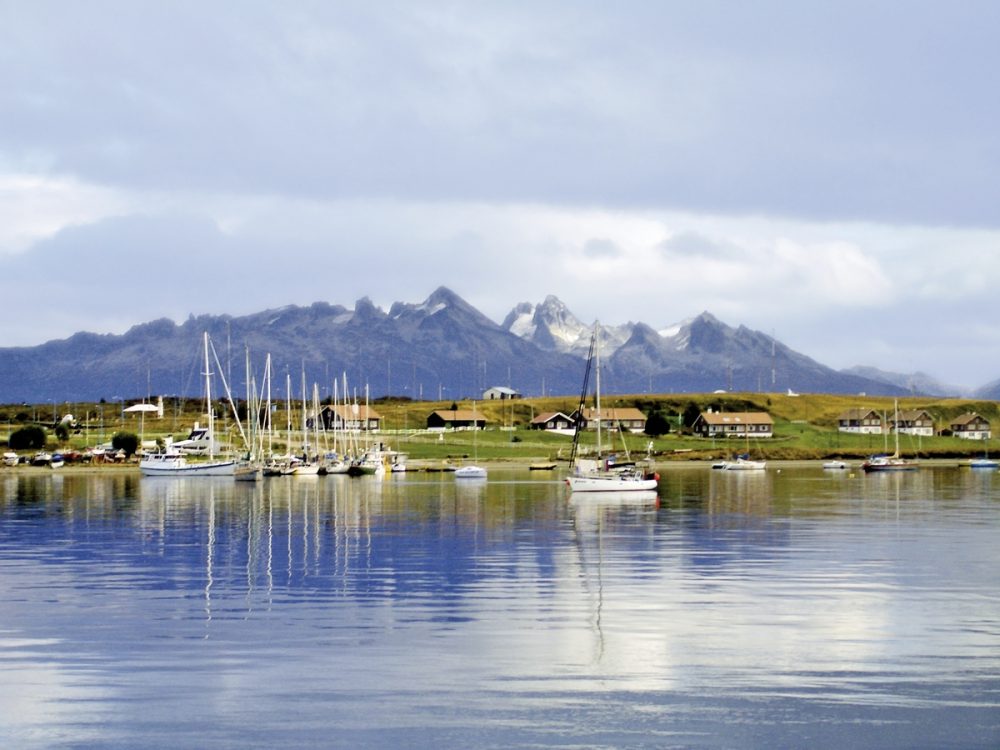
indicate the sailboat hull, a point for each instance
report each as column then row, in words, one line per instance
column 611, row 483
column 170, row 467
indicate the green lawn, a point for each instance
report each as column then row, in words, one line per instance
column 805, row 427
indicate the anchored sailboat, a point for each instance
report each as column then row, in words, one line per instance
column 173, row 463
column 893, row 462
column 603, row 473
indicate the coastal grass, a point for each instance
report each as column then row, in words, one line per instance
column 805, row 427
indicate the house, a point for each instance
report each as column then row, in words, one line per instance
column 755, row 424
column 913, row 422
column 552, row 420
column 970, row 426
column 628, row 419
column 456, row 419
column 862, row 421
column 351, row 417
column 500, row 393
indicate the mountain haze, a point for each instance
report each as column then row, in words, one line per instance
column 442, row 347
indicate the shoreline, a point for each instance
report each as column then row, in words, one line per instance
column 421, row 467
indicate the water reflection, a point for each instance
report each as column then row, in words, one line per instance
column 727, row 609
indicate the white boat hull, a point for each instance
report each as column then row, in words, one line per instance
column 470, row 472
column 741, row 465
column 179, row 467
column 611, row 483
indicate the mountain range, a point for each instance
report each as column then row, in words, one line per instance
column 441, row 348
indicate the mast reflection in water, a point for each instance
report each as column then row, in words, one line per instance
column 728, row 610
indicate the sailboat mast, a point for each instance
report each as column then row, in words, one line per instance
column 597, row 384
column 270, row 426
column 895, row 426
column 208, row 400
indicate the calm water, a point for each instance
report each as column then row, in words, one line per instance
column 790, row 609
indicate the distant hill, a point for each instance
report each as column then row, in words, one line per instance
column 917, row 383
column 989, row 391
column 441, row 347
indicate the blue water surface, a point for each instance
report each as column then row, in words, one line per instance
column 783, row 609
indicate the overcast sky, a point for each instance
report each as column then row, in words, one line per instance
column 824, row 172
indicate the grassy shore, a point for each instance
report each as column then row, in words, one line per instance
column 805, row 428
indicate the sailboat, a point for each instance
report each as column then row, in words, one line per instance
column 308, row 465
column 742, row 462
column 985, row 462
column 173, row 463
column 249, row 468
column 472, row 471
column 893, row 462
column 603, row 474
column 334, row 460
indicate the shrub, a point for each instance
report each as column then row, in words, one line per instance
column 691, row 413
column 657, row 424
column 125, row 441
column 27, row 438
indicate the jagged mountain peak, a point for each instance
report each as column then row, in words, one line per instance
column 553, row 327
column 442, row 343
column 441, row 303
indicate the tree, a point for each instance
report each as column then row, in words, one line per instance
column 27, row 438
column 125, row 441
column 656, row 424
column 691, row 413
column 62, row 432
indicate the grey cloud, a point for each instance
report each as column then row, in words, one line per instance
column 601, row 248
column 785, row 109
column 695, row 245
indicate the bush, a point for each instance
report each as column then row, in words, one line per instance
column 27, row 438
column 62, row 432
column 691, row 413
column 125, row 441
column 657, row 424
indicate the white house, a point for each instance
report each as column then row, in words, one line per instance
column 862, row 421
column 625, row 418
column 552, row 420
column 970, row 426
column 500, row 393
column 755, row 424
column 913, row 422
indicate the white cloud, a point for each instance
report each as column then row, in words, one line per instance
column 35, row 207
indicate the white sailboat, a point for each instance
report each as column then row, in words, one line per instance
column 604, row 473
column 173, row 463
column 984, row 462
column 308, row 465
column 334, row 459
column 249, row 468
column 472, row 471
